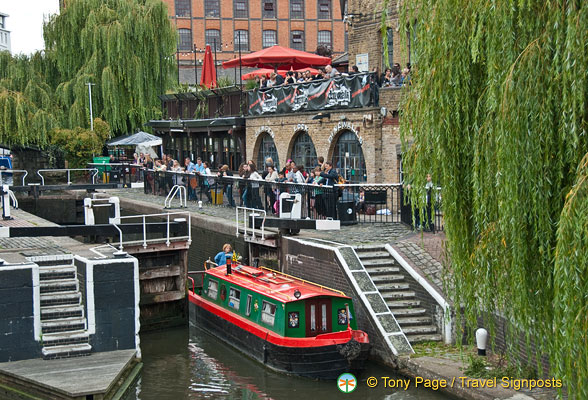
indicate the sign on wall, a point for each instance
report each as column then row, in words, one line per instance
column 339, row 92
column 362, row 61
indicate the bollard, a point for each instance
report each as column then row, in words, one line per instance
column 481, row 341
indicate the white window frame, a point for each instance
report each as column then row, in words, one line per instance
column 267, row 316
column 234, row 299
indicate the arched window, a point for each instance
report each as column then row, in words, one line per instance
column 303, row 152
column 348, row 158
column 267, row 148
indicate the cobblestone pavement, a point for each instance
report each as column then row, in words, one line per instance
column 424, row 253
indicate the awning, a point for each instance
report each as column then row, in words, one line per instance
column 139, row 138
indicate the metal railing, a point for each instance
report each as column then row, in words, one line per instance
column 350, row 203
column 9, row 180
column 176, row 190
column 125, row 173
column 254, row 213
column 68, row 172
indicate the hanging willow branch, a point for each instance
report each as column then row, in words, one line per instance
column 498, row 111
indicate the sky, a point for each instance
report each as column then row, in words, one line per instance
column 25, row 22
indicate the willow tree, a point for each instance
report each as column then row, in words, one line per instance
column 124, row 47
column 498, row 110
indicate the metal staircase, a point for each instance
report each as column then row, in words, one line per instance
column 63, row 321
column 390, row 280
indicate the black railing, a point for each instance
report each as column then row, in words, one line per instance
column 350, row 203
column 124, row 173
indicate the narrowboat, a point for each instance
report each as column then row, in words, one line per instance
column 288, row 324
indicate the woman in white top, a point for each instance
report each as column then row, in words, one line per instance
column 254, row 176
column 298, row 177
column 272, row 175
column 208, row 180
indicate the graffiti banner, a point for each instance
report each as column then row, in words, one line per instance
column 340, row 92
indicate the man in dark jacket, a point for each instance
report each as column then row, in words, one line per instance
column 331, row 196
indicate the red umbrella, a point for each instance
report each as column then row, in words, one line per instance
column 276, row 56
column 267, row 72
column 208, row 78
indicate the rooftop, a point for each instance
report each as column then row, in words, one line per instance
column 273, row 284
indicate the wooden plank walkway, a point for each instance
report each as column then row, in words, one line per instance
column 72, row 377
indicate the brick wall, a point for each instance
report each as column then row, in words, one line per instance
column 380, row 136
column 365, row 35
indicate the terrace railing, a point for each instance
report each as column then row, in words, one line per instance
column 350, row 203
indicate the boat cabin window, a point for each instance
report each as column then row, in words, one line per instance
column 248, row 311
column 212, row 289
column 268, row 313
column 234, row 298
column 324, row 327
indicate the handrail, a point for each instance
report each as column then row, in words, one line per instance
column 303, row 280
column 246, row 222
column 172, row 194
column 13, row 198
column 193, row 285
column 68, row 170
column 11, row 171
column 167, row 238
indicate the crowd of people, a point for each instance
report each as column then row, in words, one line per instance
column 392, row 77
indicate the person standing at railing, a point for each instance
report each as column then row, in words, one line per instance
column 317, row 201
column 254, row 186
column 207, row 181
column 331, row 177
column 227, row 183
column 190, row 168
column 271, row 176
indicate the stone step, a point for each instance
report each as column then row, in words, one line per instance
column 413, row 320
column 388, row 278
column 60, row 298
column 378, row 270
column 403, row 304
column 63, row 324
column 419, row 329
column 368, row 247
column 68, row 337
column 406, row 312
column 379, row 262
column 366, row 255
column 58, row 285
column 392, row 287
column 67, row 350
column 433, row 337
column 55, row 272
column 61, row 311
column 398, row 295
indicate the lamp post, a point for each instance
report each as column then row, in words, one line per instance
column 215, row 70
column 178, row 60
column 240, row 66
column 90, row 97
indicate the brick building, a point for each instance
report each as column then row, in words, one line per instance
column 363, row 142
column 299, row 24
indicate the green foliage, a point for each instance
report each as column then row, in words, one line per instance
column 81, row 144
column 498, row 112
column 124, row 47
column 384, row 32
column 250, row 84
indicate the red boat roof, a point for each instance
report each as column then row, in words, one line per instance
column 273, row 284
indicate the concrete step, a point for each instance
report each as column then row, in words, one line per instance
column 63, row 324
column 379, row 262
column 433, row 337
column 60, row 298
column 59, row 285
column 65, row 351
column 403, row 304
column 413, row 320
column 388, row 278
column 379, row 270
column 366, row 255
column 408, row 312
column 55, row 272
column 61, row 311
column 419, row 329
column 63, row 338
column 406, row 295
column 392, row 287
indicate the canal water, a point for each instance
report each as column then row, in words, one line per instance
column 187, row 363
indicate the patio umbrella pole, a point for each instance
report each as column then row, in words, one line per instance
column 215, row 64
column 195, row 65
column 240, row 64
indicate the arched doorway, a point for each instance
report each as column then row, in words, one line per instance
column 348, row 157
column 267, row 148
column 304, row 152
